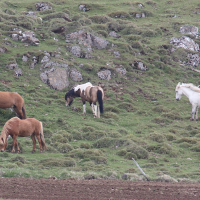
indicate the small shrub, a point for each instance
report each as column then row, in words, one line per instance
column 185, row 145
column 157, row 137
column 85, row 145
column 99, row 159
column 58, row 138
column 100, row 19
column 112, row 109
column 53, row 162
column 121, row 152
column 94, row 135
column 119, row 14
column 4, row 154
column 165, row 149
column 188, row 140
column 130, row 155
column 111, row 115
column 139, row 151
column 77, row 135
column 114, row 135
column 64, row 148
column 127, row 106
column 18, row 159
column 47, row 133
column 196, row 148
column 160, row 109
column 170, row 137
column 87, row 129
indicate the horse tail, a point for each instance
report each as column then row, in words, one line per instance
column 100, row 100
column 24, row 111
column 42, row 137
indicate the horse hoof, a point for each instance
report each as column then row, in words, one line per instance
column 2, row 150
column 32, row 151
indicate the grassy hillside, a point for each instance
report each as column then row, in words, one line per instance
column 141, row 116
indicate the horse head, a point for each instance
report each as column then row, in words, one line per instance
column 179, row 92
column 69, row 97
column 2, row 143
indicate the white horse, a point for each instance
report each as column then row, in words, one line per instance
column 192, row 92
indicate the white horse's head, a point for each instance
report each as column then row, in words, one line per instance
column 179, row 92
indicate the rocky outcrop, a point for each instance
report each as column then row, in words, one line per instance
column 3, row 50
column 191, row 30
column 121, row 71
column 58, row 79
column 114, row 34
column 14, row 66
column 27, row 36
column 75, row 75
column 140, row 15
column 79, row 52
column 185, row 42
column 87, row 39
column 104, row 74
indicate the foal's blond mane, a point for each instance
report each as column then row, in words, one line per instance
column 191, row 86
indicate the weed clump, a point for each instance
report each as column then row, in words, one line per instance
column 54, row 162
column 58, row 138
column 64, row 148
column 18, row 159
column 127, row 106
column 111, row 115
column 157, row 137
column 85, row 145
column 94, row 135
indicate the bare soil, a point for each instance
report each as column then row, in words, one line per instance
column 20, row 188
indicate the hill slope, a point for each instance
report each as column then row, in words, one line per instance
column 129, row 42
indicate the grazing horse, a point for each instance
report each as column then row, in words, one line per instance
column 23, row 128
column 15, row 101
column 192, row 92
column 89, row 93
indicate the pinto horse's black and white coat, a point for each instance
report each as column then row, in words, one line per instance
column 89, row 93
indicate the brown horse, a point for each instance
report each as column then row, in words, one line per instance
column 89, row 93
column 23, row 128
column 15, row 101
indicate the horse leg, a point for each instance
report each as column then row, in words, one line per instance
column 196, row 116
column 95, row 110
column 14, row 142
column 40, row 142
column 84, row 107
column 34, row 142
column 193, row 111
column 92, row 107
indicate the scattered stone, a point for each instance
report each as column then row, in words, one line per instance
column 18, row 72
column 43, row 6
column 3, row 50
column 79, row 52
column 12, row 66
column 31, row 14
column 193, row 60
column 104, row 74
column 192, row 30
column 75, row 75
column 24, row 58
column 33, row 63
column 140, row 15
column 121, row 70
column 116, row 54
column 29, row 37
column 45, row 59
column 114, row 34
column 83, row 8
column 185, row 42
column 139, row 65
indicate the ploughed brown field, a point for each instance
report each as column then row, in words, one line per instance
column 20, row 188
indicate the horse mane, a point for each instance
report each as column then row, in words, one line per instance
column 191, row 86
column 82, row 87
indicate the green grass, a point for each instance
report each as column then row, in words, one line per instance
column 142, row 118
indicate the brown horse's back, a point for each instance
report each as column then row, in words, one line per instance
column 6, row 100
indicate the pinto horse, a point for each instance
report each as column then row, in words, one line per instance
column 23, row 128
column 192, row 92
column 89, row 93
column 15, row 101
